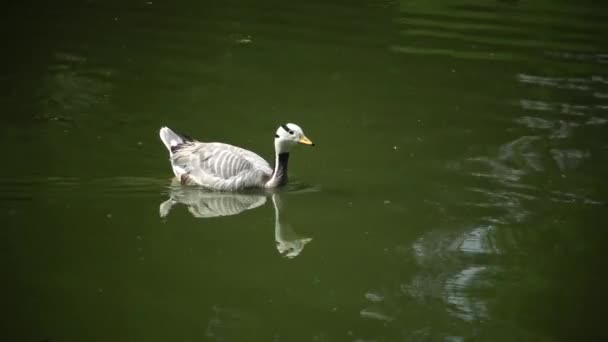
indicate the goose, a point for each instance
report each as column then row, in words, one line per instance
column 224, row 167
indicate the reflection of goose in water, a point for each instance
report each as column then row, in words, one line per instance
column 205, row 204
column 289, row 244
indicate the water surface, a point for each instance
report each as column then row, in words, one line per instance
column 457, row 192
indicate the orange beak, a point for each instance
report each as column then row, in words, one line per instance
column 305, row 141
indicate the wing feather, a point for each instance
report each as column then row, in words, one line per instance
column 221, row 166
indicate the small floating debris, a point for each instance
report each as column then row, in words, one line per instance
column 245, row 40
column 371, row 314
column 374, row 297
column 53, row 117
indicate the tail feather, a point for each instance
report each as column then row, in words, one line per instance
column 171, row 139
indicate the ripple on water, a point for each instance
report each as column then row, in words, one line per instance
column 71, row 186
column 569, row 159
column 459, row 302
column 499, row 32
column 122, row 185
column 569, row 83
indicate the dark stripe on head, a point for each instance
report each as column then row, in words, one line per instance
column 286, row 129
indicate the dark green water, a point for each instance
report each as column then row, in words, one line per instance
column 457, row 192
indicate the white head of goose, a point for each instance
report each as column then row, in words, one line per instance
column 225, row 167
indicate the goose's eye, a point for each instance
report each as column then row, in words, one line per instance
column 291, row 132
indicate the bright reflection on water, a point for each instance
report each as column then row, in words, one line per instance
column 457, row 192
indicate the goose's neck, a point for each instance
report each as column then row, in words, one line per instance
column 279, row 176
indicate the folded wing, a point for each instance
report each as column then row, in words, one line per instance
column 219, row 166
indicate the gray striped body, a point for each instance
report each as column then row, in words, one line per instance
column 219, row 166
